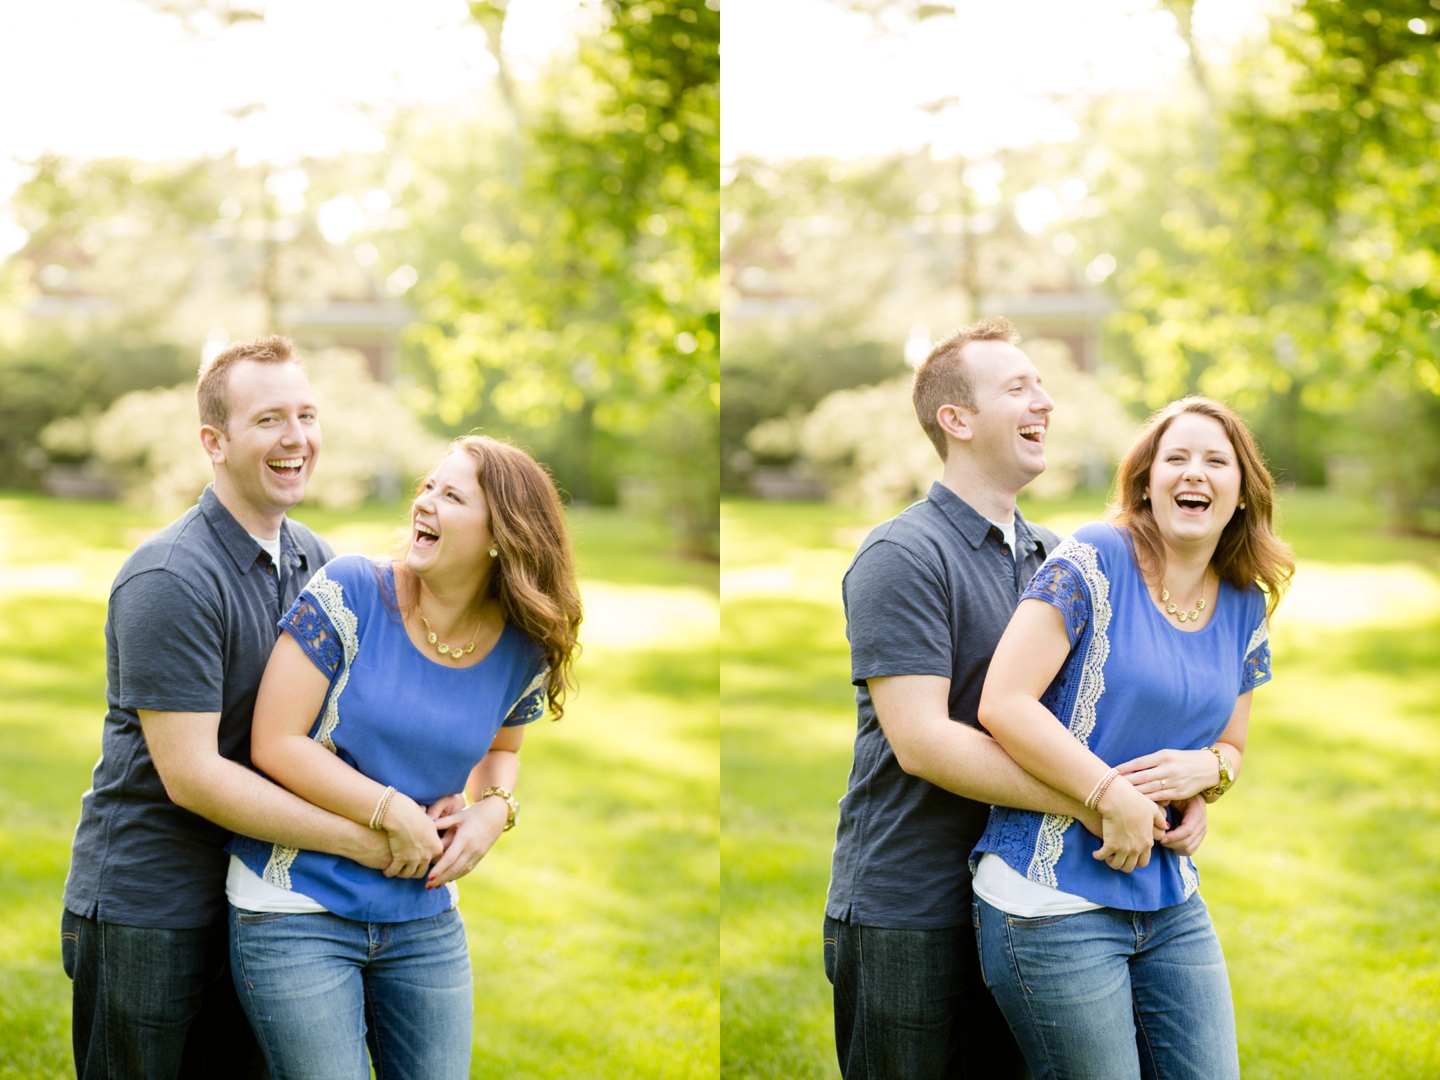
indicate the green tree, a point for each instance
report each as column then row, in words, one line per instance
column 1279, row 245
column 569, row 269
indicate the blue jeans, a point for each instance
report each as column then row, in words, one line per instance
column 154, row 1003
column 1113, row 995
column 911, row 1005
column 319, row 988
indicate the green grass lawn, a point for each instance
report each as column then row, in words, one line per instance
column 1321, row 868
column 593, row 926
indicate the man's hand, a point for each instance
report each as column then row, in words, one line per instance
column 445, row 806
column 1185, row 838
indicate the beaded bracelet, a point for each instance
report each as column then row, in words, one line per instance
column 377, row 819
column 1100, row 788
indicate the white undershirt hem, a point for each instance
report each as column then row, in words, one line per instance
column 248, row 891
column 1008, row 890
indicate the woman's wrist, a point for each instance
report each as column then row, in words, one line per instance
column 1111, row 799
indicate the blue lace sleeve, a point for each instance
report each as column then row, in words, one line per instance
column 531, row 705
column 311, row 628
column 1256, row 669
column 1059, row 584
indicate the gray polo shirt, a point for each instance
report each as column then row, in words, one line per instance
column 929, row 593
column 192, row 618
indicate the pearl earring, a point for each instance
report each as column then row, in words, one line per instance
column 1242, row 505
column 494, row 553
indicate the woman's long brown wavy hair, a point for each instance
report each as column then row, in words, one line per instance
column 534, row 578
column 1249, row 552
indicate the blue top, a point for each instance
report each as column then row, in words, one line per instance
column 399, row 718
column 191, row 622
column 929, row 593
column 1134, row 683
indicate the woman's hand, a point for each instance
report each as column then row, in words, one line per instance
column 414, row 841
column 469, row 835
column 1173, row 775
column 1131, row 822
column 1185, row 838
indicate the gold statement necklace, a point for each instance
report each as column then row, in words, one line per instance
column 443, row 648
column 1172, row 609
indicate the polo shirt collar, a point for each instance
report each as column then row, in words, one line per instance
column 973, row 525
column 232, row 535
column 968, row 521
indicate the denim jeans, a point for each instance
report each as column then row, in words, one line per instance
column 1113, row 995
column 155, row 1004
column 319, row 988
column 911, row 1005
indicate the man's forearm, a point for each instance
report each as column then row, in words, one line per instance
column 245, row 802
column 968, row 762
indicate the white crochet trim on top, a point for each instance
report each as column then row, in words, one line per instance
column 1188, row 876
column 1050, row 844
column 332, row 601
column 331, row 598
column 1261, row 635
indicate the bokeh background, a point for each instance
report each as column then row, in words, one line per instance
column 1230, row 197
column 495, row 216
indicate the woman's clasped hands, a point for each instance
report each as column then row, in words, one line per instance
column 466, row 832
column 1130, row 825
column 1132, row 814
column 444, row 841
column 414, row 840
column 1172, row 775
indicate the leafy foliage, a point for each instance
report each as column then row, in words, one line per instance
column 1289, row 263
column 569, row 271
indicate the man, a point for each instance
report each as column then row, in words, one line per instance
column 192, row 619
column 926, row 599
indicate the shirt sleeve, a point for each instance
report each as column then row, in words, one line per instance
column 897, row 616
column 531, row 705
column 1060, row 585
column 312, row 629
column 169, row 644
column 1255, row 671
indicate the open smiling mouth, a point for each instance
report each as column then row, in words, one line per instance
column 1033, row 433
column 1193, row 502
column 290, row 467
column 425, row 536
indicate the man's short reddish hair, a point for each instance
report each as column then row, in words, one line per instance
column 943, row 378
column 212, row 390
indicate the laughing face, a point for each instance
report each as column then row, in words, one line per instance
column 266, row 455
column 1012, row 415
column 1194, row 482
column 450, row 522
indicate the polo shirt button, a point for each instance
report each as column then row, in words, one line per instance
column 269, row 568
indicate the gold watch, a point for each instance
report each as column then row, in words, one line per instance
column 1227, row 774
column 510, row 801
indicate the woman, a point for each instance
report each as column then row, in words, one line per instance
column 389, row 683
column 1145, row 637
